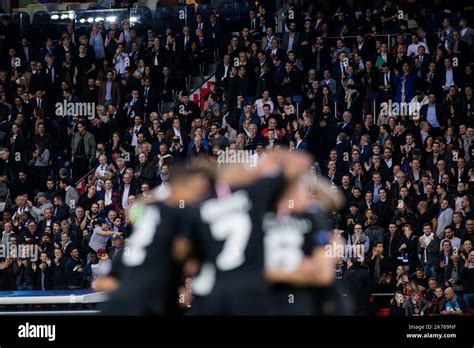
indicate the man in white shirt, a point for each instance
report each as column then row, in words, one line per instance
column 413, row 47
column 259, row 103
column 258, row 155
column 120, row 60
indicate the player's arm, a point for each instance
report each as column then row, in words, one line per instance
column 328, row 197
column 314, row 270
column 290, row 164
column 108, row 233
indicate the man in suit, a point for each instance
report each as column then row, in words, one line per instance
column 149, row 95
column 460, row 49
column 47, row 49
column 223, row 72
column 39, row 78
column 347, row 125
column 431, row 80
column 127, row 188
column 131, row 137
column 363, row 45
column 301, row 143
column 254, row 25
column 166, row 85
column 177, row 132
column 39, row 101
column 431, row 113
column 184, row 43
column 128, row 82
column 386, row 82
column 109, row 92
column 340, row 67
column 134, row 105
column 460, row 173
column 27, row 53
column 291, row 39
column 449, row 75
column 467, row 33
column 275, row 50
column 317, row 55
column 308, row 36
column 20, row 107
column 216, row 33
column 420, row 62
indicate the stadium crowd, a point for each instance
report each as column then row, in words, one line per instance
column 333, row 83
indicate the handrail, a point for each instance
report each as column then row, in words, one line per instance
column 63, row 299
column 203, row 82
column 86, row 175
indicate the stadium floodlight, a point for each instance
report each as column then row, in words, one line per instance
column 133, row 19
column 111, row 19
column 55, row 17
column 82, row 20
column 98, row 19
column 71, row 15
column 90, row 20
column 64, row 16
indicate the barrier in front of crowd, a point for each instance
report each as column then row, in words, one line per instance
column 64, row 302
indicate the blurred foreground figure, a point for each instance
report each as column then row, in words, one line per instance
column 149, row 274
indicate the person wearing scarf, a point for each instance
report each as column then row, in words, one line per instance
column 428, row 250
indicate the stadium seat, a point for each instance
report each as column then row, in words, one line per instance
column 205, row 10
column 22, row 17
column 158, row 26
column 383, row 312
column 227, row 10
column 244, row 7
column 41, row 18
column 163, row 12
column 151, row 4
column 143, row 12
column 78, row 6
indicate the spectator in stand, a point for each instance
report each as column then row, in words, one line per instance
column 74, row 270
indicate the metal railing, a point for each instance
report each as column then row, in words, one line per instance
column 85, row 176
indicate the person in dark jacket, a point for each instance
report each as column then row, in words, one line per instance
column 44, row 273
column 7, row 275
column 416, row 305
column 58, row 267
column 25, row 273
column 61, row 209
column 409, row 248
column 357, row 282
column 74, row 270
column 434, row 306
column 467, row 277
column 397, row 305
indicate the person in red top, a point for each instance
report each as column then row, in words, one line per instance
column 272, row 123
